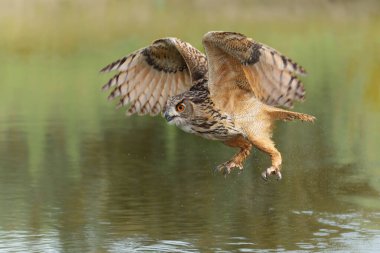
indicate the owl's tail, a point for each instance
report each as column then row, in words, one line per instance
column 280, row 114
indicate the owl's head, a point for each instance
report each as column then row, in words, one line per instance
column 179, row 110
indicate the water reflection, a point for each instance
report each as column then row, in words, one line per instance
column 118, row 195
column 338, row 233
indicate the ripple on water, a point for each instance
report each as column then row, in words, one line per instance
column 144, row 244
column 25, row 241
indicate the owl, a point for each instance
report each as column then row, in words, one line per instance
column 233, row 93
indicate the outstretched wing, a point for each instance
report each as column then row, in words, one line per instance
column 237, row 61
column 148, row 76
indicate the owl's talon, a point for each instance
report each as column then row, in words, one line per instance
column 219, row 168
column 272, row 171
column 226, row 167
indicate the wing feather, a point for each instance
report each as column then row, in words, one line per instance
column 158, row 96
column 255, row 67
column 155, row 95
column 144, row 92
column 149, row 76
column 148, row 93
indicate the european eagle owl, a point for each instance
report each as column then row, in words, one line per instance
column 230, row 94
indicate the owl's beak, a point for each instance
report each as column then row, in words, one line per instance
column 168, row 117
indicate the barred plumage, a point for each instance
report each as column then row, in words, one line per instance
column 228, row 94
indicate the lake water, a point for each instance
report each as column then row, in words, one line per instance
column 78, row 176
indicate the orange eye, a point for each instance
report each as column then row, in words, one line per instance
column 180, row 107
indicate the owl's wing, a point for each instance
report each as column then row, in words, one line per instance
column 237, row 61
column 148, row 76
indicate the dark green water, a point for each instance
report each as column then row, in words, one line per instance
column 78, row 176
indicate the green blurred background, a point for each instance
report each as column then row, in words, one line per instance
column 69, row 160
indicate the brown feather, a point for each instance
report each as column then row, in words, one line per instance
column 144, row 73
column 269, row 74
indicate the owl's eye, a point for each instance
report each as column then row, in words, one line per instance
column 180, row 107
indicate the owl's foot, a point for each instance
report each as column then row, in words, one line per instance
column 272, row 171
column 226, row 167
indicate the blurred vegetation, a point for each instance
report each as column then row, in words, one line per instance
column 65, row 26
column 57, row 128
